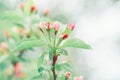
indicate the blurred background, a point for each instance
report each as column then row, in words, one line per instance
column 97, row 23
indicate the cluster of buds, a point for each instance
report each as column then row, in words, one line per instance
column 32, row 8
column 48, row 25
column 56, row 25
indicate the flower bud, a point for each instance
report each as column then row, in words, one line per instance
column 68, row 74
column 78, row 78
column 4, row 45
column 56, row 26
column 22, row 5
column 17, row 69
column 64, row 36
column 46, row 11
column 33, row 8
column 71, row 26
column 48, row 25
column 40, row 25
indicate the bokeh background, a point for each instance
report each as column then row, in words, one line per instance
column 97, row 23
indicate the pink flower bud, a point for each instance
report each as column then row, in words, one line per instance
column 71, row 26
column 68, row 74
column 46, row 11
column 33, row 8
column 17, row 69
column 4, row 45
column 48, row 25
column 22, row 5
column 40, row 25
column 78, row 78
column 56, row 26
column 64, row 36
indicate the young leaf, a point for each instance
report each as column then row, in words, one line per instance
column 40, row 69
column 76, row 43
column 27, row 44
column 65, row 66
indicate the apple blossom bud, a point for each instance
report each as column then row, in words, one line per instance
column 40, row 25
column 64, row 36
column 22, row 5
column 68, row 74
column 46, row 11
column 78, row 78
column 33, row 8
column 56, row 26
column 48, row 25
column 71, row 26
column 4, row 45
column 17, row 69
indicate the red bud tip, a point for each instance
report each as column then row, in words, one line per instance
column 64, row 36
column 68, row 74
column 56, row 26
column 46, row 11
column 48, row 25
column 33, row 8
column 71, row 26
column 4, row 45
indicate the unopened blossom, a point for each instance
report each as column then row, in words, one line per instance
column 48, row 25
column 64, row 36
column 33, row 8
column 71, row 26
column 46, row 11
column 68, row 74
column 56, row 26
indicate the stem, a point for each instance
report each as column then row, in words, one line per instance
column 55, row 56
column 66, row 78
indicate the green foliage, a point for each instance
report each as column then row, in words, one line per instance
column 28, row 44
column 76, row 43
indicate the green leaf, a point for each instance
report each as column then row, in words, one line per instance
column 76, row 43
column 27, row 44
column 62, row 51
column 40, row 69
column 10, row 16
column 65, row 66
